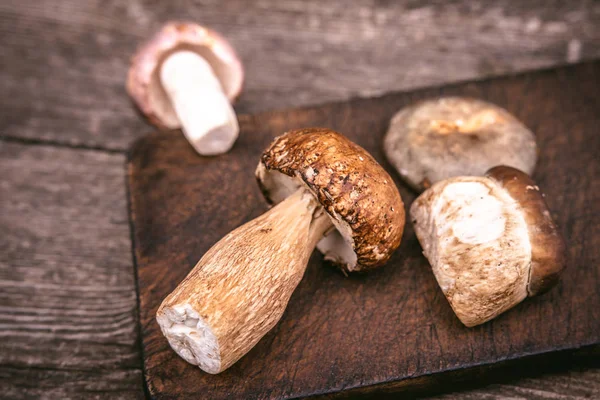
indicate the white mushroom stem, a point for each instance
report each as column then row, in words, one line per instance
column 240, row 288
column 207, row 118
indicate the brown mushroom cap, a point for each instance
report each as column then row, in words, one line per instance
column 356, row 192
column 143, row 81
column 548, row 249
column 452, row 136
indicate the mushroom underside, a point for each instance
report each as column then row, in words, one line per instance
column 336, row 245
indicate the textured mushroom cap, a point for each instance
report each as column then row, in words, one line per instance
column 143, row 81
column 356, row 192
column 437, row 139
column 548, row 249
column 490, row 241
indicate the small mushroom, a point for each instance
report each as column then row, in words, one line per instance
column 185, row 77
column 330, row 193
column 490, row 240
column 452, row 136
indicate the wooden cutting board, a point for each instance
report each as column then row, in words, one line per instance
column 392, row 330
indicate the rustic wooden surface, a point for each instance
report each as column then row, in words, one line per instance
column 392, row 329
column 67, row 301
column 295, row 53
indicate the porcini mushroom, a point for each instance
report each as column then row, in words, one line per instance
column 330, row 193
column 186, row 77
column 452, row 136
column 490, row 240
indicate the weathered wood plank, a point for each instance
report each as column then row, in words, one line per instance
column 16, row 383
column 64, row 62
column 67, row 299
column 579, row 383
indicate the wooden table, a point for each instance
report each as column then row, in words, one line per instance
column 67, row 296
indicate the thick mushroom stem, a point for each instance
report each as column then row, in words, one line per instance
column 240, row 288
column 207, row 118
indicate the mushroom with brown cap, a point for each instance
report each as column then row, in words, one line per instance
column 329, row 193
column 186, row 77
column 441, row 138
column 490, row 240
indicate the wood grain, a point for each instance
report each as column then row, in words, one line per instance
column 67, row 304
column 577, row 384
column 62, row 67
column 65, row 62
column 393, row 329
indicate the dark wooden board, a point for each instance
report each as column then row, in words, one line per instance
column 67, row 300
column 393, row 329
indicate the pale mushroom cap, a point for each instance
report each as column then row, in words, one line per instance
column 490, row 240
column 357, row 193
column 143, row 81
column 441, row 138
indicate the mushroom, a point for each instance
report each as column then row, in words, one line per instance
column 437, row 139
column 329, row 193
column 490, row 240
column 185, row 77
